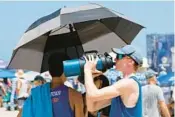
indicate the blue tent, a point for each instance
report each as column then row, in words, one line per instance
column 5, row 73
column 166, row 80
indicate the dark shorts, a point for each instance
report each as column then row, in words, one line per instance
column 22, row 98
column 21, row 102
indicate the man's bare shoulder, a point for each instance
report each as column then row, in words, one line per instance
column 73, row 92
column 126, row 82
column 152, row 87
column 75, row 97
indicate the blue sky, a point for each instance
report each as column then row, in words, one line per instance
column 15, row 17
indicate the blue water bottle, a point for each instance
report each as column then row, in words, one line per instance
column 75, row 67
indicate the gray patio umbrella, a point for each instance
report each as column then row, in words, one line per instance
column 72, row 30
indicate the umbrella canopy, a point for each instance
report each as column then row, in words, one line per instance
column 73, row 31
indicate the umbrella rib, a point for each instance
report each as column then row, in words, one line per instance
column 41, row 69
column 59, row 28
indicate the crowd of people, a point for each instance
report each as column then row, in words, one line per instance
column 118, row 92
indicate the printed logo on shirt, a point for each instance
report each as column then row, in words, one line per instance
column 55, row 93
column 54, row 100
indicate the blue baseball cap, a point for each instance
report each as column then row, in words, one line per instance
column 130, row 51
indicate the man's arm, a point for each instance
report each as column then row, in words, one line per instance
column 76, row 102
column 93, row 106
column 96, row 94
column 162, row 104
column 20, row 113
column 29, row 88
column 164, row 109
column 19, row 85
column 108, row 92
column 100, row 98
column 79, row 106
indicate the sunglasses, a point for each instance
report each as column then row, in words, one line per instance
column 120, row 56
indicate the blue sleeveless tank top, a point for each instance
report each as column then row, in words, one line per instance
column 60, row 102
column 118, row 109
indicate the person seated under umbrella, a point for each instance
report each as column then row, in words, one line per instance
column 39, row 80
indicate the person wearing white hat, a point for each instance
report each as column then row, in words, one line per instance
column 141, row 72
column 144, row 66
column 22, row 88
